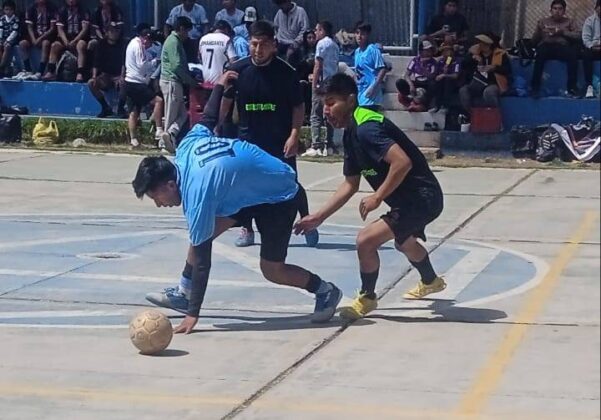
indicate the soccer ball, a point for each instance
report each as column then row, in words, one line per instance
column 150, row 331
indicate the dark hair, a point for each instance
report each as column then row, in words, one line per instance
column 327, row 27
column 339, row 84
column 223, row 26
column 142, row 27
column 152, row 172
column 363, row 27
column 182, row 22
column 280, row 2
column 560, row 2
column 306, row 36
column 403, row 87
column 262, row 28
column 9, row 3
column 450, row 1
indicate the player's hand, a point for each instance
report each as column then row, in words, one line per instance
column 228, row 78
column 121, row 83
column 369, row 204
column 372, row 92
column 187, row 325
column 440, row 77
column 291, row 147
column 307, row 224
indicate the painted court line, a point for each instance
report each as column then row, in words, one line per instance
column 490, row 375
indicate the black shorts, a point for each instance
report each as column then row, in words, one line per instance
column 274, row 222
column 411, row 219
column 138, row 96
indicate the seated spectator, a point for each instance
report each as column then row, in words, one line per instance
column 241, row 33
column 9, row 34
column 591, row 37
column 200, row 25
column 411, row 102
column 449, row 27
column 555, row 39
column 109, row 69
column 446, row 82
column 41, row 33
column 216, row 52
column 107, row 14
column 370, row 68
column 73, row 26
column 491, row 75
column 291, row 22
column 421, row 70
column 230, row 13
column 139, row 67
column 307, row 56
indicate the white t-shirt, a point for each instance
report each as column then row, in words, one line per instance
column 216, row 50
column 139, row 64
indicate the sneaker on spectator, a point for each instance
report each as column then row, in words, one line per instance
column 23, row 75
column 134, row 143
column 311, row 152
column 590, row 92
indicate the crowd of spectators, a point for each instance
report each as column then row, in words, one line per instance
column 453, row 67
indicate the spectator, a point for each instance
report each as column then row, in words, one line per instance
column 307, row 56
column 9, row 34
column 554, row 38
column 216, row 51
column 491, row 75
column 174, row 75
column 370, row 68
column 108, row 71
column 241, row 33
column 421, row 71
column 326, row 65
column 139, row 66
column 450, row 27
column 105, row 15
column 200, row 25
column 230, row 13
column 41, row 33
column 291, row 22
column 73, row 26
column 591, row 37
column 447, row 78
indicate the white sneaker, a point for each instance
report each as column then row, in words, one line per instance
column 168, row 143
column 21, row 75
column 311, row 152
column 134, row 143
column 590, row 92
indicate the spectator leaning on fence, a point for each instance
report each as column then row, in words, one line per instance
column 73, row 26
column 555, row 39
column 9, row 34
column 200, row 25
column 108, row 71
column 370, row 68
column 591, row 37
column 291, row 22
column 230, row 13
column 449, row 27
column 492, row 71
column 40, row 19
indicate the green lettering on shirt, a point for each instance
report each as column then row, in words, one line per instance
column 260, row 107
column 369, row 172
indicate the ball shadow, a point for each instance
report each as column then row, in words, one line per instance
column 168, row 353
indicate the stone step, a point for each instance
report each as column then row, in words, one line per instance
column 390, row 102
column 390, row 82
column 415, row 120
column 425, row 139
column 431, row 153
column 399, row 63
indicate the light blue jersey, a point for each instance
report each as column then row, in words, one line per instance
column 234, row 20
column 241, row 46
column 328, row 52
column 368, row 63
column 217, row 177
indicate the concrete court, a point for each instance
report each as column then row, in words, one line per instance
column 515, row 335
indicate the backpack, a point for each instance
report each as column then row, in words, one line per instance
column 10, row 128
column 524, row 140
column 67, row 67
column 548, row 146
column 525, row 50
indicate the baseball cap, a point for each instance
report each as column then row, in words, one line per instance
column 426, row 45
column 485, row 39
column 250, row 14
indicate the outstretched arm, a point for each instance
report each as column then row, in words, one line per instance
column 213, row 106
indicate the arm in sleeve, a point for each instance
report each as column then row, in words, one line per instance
column 538, row 33
column 572, row 33
column 211, row 111
column 230, row 51
column 588, row 33
column 201, row 269
column 298, row 41
column 15, row 31
column 374, row 140
column 505, row 68
column 180, row 65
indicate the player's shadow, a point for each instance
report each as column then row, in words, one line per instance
column 275, row 323
column 170, row 353
column 444, row 311
column 336, row 247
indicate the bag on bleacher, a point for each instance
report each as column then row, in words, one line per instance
column 67, row 67
column 525, row 50
column 10, row 128
column 45, row 134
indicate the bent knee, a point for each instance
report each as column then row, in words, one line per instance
column 272, row 271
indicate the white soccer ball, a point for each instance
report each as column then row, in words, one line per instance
column 150, row 331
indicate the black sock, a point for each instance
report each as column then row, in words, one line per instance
column 27, row 65
column 368, row 284
column 42, row 68
column 425, row 270
column 52, row 68
column 187, row 273
column 314, row 283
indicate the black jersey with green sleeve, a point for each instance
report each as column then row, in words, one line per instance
column 366, row 143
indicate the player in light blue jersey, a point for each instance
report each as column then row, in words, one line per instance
column 221, row 182
column 370, row 68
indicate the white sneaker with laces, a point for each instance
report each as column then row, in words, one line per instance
column 134, row 143
column 590, row 92
column 311, row 152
